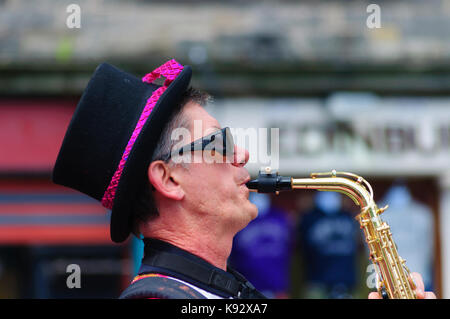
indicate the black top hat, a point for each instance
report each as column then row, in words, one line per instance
column 113, row 133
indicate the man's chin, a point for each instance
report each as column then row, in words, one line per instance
column 248, row 215
column 254, row 212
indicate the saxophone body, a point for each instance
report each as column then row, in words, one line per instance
column 393, row 277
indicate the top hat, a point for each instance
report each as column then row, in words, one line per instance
column 113, row 133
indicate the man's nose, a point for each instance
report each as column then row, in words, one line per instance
column 241, row 156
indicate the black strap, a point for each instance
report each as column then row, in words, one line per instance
column 205, row 275
column 249, row 291
column 160, row 288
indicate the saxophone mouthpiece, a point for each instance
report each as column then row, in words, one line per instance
column 252, row 185
column 269, row 182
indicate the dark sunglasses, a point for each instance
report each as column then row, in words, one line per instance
column 220, row 141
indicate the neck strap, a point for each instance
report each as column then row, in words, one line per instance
column 231, row 283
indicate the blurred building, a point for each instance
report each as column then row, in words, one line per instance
column 373, row 101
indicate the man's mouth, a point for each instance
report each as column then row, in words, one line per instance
column 245, row 181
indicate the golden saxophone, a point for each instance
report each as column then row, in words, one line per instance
column 393, row 277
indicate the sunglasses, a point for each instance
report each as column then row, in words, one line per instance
column 220, row 141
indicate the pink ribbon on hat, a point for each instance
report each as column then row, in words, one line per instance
column 170, row 71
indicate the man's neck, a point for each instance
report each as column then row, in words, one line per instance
column 214, row 253
column 209, row 245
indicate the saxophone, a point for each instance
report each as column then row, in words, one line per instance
column 393, row 277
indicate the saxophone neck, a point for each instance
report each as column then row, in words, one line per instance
column 354, row 186
column 349, row 184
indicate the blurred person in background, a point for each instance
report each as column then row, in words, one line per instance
column 412, row 224
column 328, row 239
column 265, row 244
column 119, row 149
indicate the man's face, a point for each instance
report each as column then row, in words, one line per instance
column 216, row 189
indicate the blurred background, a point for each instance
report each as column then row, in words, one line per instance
column 350, row 87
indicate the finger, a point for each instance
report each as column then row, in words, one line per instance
column 430, row 295
column 418, row 282
column 374, row 295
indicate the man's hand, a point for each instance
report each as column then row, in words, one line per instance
column 420, row 290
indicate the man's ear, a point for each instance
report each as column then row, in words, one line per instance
column 162, row 179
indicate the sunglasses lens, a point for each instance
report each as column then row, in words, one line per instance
column 228, row 142
column 221, row 142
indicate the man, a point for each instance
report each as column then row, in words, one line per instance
column 119, row 149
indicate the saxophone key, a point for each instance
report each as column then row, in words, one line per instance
column 383, row 228
column 382, row 210
column 364, row 222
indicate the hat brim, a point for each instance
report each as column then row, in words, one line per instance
column 139, row 158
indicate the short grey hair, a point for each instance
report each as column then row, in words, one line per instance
column 144, row 205
column 178, row 120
